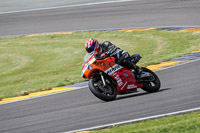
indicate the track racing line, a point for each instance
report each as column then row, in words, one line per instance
column 177, row 64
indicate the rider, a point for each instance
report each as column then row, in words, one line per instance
column 107, row 49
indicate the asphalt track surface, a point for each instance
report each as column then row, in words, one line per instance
column 139, row 13
column 24, row 5
column 80, row 109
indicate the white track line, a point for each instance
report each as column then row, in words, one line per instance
column 87, row 86
column 48, row 8
column 136, row 120
column 128, row 121
column 144, row 118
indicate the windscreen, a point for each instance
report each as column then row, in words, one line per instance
column 87, row 57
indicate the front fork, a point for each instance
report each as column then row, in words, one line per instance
column 102, row 78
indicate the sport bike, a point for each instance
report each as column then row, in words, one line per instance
column 108, row 79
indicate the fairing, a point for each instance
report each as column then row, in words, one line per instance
column 124, row 78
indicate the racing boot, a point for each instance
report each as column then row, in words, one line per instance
column 131, row 65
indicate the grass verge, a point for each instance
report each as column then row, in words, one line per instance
column 186, row 123
column 30, row 64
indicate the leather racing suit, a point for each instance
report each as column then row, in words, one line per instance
column 121, row 57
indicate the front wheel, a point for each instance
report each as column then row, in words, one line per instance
column 107, row 93
column 151, row 85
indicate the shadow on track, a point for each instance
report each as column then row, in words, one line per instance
column 140, row 94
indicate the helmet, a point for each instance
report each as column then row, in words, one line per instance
column 92, row 45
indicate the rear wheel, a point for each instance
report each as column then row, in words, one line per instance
column 105, row 93
column 153, row 84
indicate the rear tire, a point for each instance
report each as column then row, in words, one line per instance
column 99, row 92
column 151, row 86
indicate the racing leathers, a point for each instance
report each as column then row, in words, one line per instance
column 121, row 57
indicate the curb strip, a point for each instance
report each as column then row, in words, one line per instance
column 194, row 55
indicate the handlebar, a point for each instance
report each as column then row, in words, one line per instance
column 97, row 57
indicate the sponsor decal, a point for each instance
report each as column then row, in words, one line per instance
column 113, row 69
column 131, row 86
column 118, row 79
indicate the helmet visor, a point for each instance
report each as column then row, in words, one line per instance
column 91, row 48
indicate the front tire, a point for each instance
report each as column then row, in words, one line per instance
column 151, row 86
column 108, row 93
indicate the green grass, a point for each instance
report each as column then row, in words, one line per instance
column 30, row 64
column 187, row 123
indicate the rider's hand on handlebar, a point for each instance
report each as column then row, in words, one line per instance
column 103, row 55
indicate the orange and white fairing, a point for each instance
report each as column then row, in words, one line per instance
column 124, row 78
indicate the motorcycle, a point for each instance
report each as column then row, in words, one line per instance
column 108, row 79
